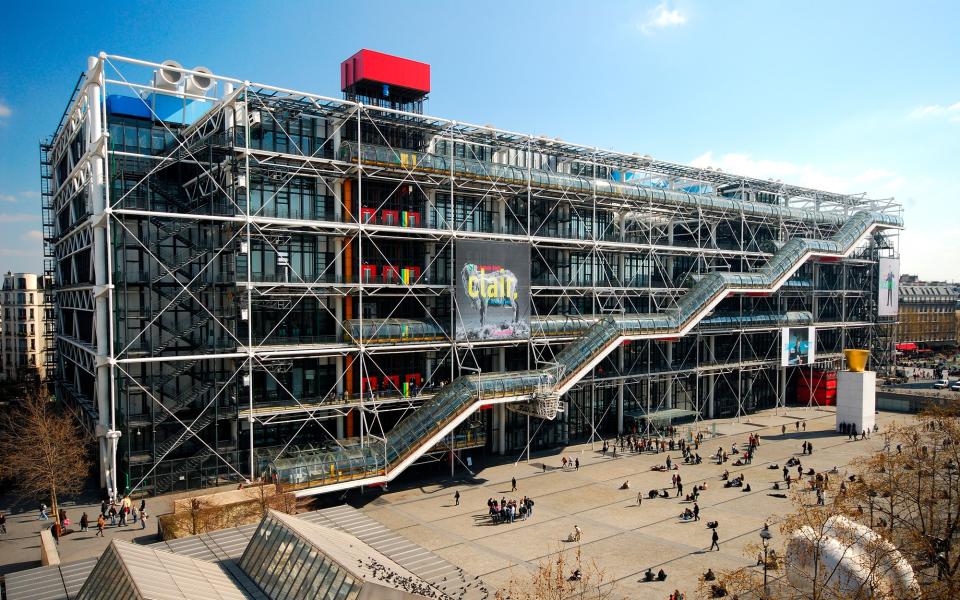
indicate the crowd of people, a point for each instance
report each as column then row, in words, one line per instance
column 508, row 511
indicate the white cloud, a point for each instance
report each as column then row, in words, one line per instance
column 19, row 218
column 5, row 110
column 661, row 17
column 19, row 252
column 30, row 194
column 936, row 110
column 877, row 183
column 8, row 198
column 33, row 235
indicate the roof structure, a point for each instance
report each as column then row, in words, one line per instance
column 127, row 570
column 292, row 559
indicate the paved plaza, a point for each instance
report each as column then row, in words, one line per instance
column 623, row 538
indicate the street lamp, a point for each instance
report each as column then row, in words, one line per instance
column 765, row 536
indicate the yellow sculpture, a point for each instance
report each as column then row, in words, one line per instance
column 856, row 360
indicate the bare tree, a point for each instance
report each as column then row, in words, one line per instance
column 43, row 451
column 562, row 575
column 909, row 491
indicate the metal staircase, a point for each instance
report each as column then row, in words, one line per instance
column 174, row 441
column 382, row 460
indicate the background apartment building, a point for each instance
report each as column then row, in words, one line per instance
column 25, row 336
column 927, row 317
column 253, row 281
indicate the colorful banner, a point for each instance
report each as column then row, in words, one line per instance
column 493, row 291
column 888, row 297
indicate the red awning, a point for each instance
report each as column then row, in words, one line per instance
column 907, row 346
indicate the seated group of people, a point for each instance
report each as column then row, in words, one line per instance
column 661, row 493
column 663, row 468
column 649, row 575
column 686, row 515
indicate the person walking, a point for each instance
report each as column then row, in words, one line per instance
column 143, row 520
column 513, row 483
column 639, row 498
column 783, row 429
column 577, row 533
column 576, row 464
column 101, row 523
column 456, row 499
column 715, row 540
column 84, row 522
column 113, row 514
column 679, row 489
column 123, row 516
column 43, row 512
column 696, row 511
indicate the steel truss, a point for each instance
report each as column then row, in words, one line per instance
column 214, row 308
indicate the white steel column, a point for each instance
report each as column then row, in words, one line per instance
column 712, row 377
column 105, row 430
column 500, row 412
column 620, row 386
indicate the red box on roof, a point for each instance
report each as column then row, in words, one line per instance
column 377, row 67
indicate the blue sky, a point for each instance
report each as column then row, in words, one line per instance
column 847, row 96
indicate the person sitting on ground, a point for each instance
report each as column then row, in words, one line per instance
column 648, row 575
column 664, row 494
column 738, row 463
column 709, row 576
column 577, row 575
column 725, row 476
column 625, row 485
column 686, row 515
column 774, row 466
column 652, row 494
column 712, row 524
column 776, row 485
column 661, row 575
column 746, row 488
column 810, row 471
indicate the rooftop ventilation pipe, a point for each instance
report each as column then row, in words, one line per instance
column 168, row 76
column 199, row 82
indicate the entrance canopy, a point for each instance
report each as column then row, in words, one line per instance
column 660, row 416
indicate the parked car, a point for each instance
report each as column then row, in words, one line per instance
column 955, row 385
column 940, row 384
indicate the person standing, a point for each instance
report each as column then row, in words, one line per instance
column 513, row 483
column 577, row 533
column 84, row 522
column 3, row 523
column 696, row 511
column 143, row 520
column 576, row 463
column 55, row 532
column 783, row 429
column 101, row 523
column 456, row 499
column 123, row 516
column 679, row 488
column 715, row 540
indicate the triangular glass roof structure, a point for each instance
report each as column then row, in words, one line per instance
column 127, row 571
column 292, row 559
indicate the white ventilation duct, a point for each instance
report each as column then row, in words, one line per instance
column 168, row 77
column 199, row 81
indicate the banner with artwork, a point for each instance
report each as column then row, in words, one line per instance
column 889, row 290
column 493, row 290
column 798, row 346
